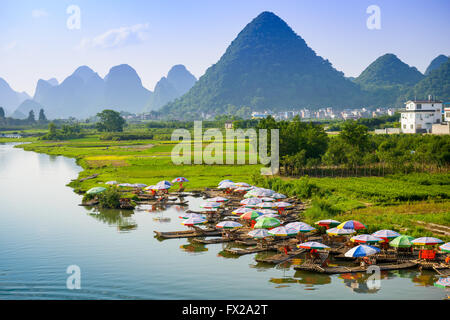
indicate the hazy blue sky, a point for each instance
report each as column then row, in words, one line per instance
column 152, row 36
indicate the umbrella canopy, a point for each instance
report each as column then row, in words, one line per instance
column 125, row 185
column 366, row 238
column 158, row 187
column 328, row 223
column 260, row 192
column 267, row 199
column 96, row 190
column 312, row 245
column 268, row 215
column 266, row 205
column 443, row 282
column 223, row 181
column 268, row 211
column 267, row 223
column 180, row 179
column 278, row 196
column 193, row 221
column 401, row 242
column 445, row 247
column 139, row 185
column 242, row 189
column 228, row 225
column 259, row 233
column 251, row 215
column 190, row 215
column 283, row 204
column 227, row 185
column 340, row 232
column 300, row 226
column 283, row 231
column 164, row 182
column 426, row 241
column 241, row 210
column 111, row 182
column 251, row 202
column 386, row 234
column 361, row 251
column 351, row 224
column 217, row 199
column 242, row 184
column 210, row 205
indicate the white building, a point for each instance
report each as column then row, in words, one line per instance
column 420, row 115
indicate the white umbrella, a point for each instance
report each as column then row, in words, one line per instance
column 361, row 251
column 217, row 199
column 228, row 225
column 259, row 233
column 300, row 226
column 210, row 205
column 250, row 202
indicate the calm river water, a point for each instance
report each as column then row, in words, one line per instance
column 43, row 230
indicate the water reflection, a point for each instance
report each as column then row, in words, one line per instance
column 122, row 219
column 193, row 247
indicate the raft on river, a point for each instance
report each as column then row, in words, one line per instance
column 342, row 269
column 187, row 234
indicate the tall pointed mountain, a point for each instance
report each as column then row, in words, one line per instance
column 124, row 90
column 10, row 99
column 436, row 63
column 266, row 66
column 389, row 70
column 178, row 81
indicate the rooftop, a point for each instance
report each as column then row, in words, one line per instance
column 423, row 101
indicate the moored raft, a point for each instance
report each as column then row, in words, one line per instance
column 279, row 258
column 343, row 269
column 187, row 234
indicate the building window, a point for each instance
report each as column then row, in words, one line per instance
column 418, row 106
column 404, row 126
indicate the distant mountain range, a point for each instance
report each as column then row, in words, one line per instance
column 84, row 93
column 267, row 66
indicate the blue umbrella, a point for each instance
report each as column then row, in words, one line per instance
column 361, row 251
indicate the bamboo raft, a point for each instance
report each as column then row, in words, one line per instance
column 187, row 234
column 342, row 269
column 280, row 258
column 212, row 241
column 256, row 249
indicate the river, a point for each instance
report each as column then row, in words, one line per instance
column 43, row 231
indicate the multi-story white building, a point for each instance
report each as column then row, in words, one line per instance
column 420, row 115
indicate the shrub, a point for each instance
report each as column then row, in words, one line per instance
column 110, row 198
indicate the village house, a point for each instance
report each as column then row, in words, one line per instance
column 420, row 115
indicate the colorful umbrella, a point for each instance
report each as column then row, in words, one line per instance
column 312, row 245
column 158, row 187
column 193, row 221
column 351, row 224
column 268, row 211
column 278, row 196
column 283, row 204
column 96, row 190
column 190, row 215
column 328, row 223
column 180, row 179
column 445, row 247
column 260, row 192
column 217, row 199
column 366, row 238
column 242, row 189
column 426, row 241
column 242, row 184
column 165, row 183
column 361, row 251
column 223, row 181
column 283, row 231
column 300, row 226
column 340, row 232
column 401, row 242
column 251, row 202
column 139, row 185
column 227, row 185
column 228, row 225
column 251, row 215
column 267, row 223
column 259, row 233
column 267, row 205
column 241, row 210
column 443, row 282
column 386, row 234
column 210, row 205
column 267, row 199
column 268, row 215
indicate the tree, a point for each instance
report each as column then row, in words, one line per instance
column 42, row 117
column 31, row 118
column 2, row 113
column 110, row 121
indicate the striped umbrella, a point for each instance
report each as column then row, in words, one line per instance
column 165, row 182
column 312, row 245
column 241, row 210
column 300, row 226
column 251, row 215
column 223, row 181
column 158, row 187
column 426, row 241
column 266, row 205
column 328, row 223
column 193, row 221
column 351, row 224
column 259, row 233
column 283, row 204
column 180, row 179
column 361, row 251
column 445, row 247
column 190, row 215
column 267, row 211
column 443, row 283
column 283, row 231
column 366, row 238
column 401, row 242
column 260, row 192
column 386, row 234
column 340, row 232
column 267, row 223
column 250, row 202
column 228, row 225
column 268, row 215
column 278, row 196
column 210, row 205
column 227, row 185
column 217, row 199
column 242, row 189
column 96, row 190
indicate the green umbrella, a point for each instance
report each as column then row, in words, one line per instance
column 96, row 190
column 267, row 223
column 401, row 242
